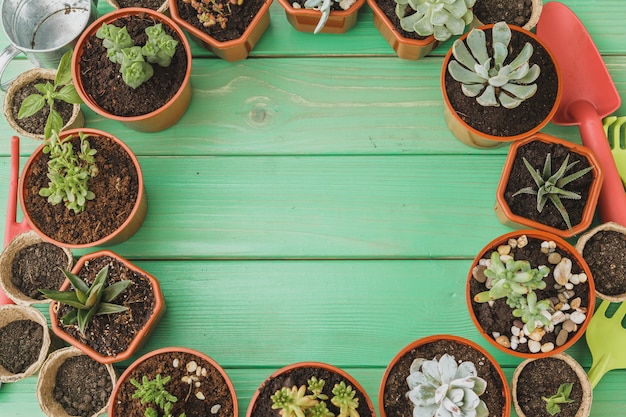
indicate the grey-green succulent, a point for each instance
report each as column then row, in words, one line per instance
column 444, row 388
column 486, row 76
column 325, row 7
column 441, row 18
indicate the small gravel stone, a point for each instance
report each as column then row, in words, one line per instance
column 577, row 317
column 547, row 347
column 175, row 363
column 504, row 249
column 554, row 258
column 537, row 334
column 192, row 366
column 515, row 330
column 575, row 279
column 561, row 338
column 200, row 395
column 522, row 241
column 569, row 326
column 582, row 277
column 215, row 409
column 563, row 271
column 512, row 243
column 534, row 346
column 478, row 272
column 503, row 341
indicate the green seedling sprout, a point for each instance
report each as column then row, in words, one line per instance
column 561, row 397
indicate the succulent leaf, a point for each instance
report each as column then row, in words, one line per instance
column 440, row 18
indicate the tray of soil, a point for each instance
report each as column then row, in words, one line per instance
column 425, row 366
column 523, row 13
column 189, row 381
column 530, row 294
column 320, row 388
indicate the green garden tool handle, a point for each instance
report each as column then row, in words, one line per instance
column 599, row 368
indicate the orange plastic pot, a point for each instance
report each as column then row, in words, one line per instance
column 535, row 12
column 508, row 218
column 306, row 20
column 475, row 138
column 451, row 339
column 235, row 49
column 138, row 339
column 126, row 229
column 124, row 378
column 159, row 119
column 349, row 380
column 576, row 259
column 405, row 48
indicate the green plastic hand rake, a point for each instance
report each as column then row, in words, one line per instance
column 612, row 128
column 606, row 339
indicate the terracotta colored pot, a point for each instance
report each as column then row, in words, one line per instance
column 77, row 119
column 508, row 218
column 126, row 229
column 123, row 379
column 576, row 259
column 405, row 48
column 505, row 394
column 139, row 338
column 235, row 49
column 306, row 20
column 160, row 119
column 536, row 7
column 349, row 380
column 475, row 138
column 583, row 380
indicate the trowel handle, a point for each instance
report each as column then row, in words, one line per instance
column 612, row 202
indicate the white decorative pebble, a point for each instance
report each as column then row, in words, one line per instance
column 577, row 317
column 495, row 334
column 514, row 345
column 204, row 372
column 215, row 408
column 575, row 279
column 569, row 286
column 199, row 395
column 537, row 334
column 197, row 384
column 523, row 340
column 512, row 243
column 558, row 317
column 582, row 277
column 522, row 241
column 576, row 303
column 192, row 366
column 175, row 363
column 505, row 258
column 504, row 249
column 515, row 330
column 563, row 271
column 534, row 346
column 547, row 347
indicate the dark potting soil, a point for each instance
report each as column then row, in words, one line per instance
column 37, row 122
column 499, row 317
column 38, row 266
column 103, row 81
column 513, row 12
column 542, row 378
column 217, row 399
column 394, row 397
column 299, row 377
column 389, row 8
column 82, row 386
column 148, row 4
column 605, row 253
column 239, row 18
column 116, row 188
column 525, row 205
column 20, row 345
column 111, row 334
column 499, row 121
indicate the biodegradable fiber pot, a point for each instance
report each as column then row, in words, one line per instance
column 298, row 374
column 588, row 187
column 209, row 393
column 392, row 398
column 60, row 226
column 155, row 120
column 306, row 20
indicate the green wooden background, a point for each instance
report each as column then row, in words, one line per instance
column 311, row 204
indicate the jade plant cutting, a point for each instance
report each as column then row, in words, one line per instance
column 153, row 391
column 294, row 402
column 440, row 18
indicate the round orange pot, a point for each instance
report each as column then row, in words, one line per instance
column 235, row 49
column 535, row 238
column 140, row 336
column 124, row 231
column 536, row 7
column 159, row 119
column 470, row 136
column 134, row 371
column 266, row 389
column 405, row 48
column 399, row 368
column 306, row 20
column 508, row 218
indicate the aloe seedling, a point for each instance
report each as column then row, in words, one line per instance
column 441, row 18
column 561, row 397
column 153, row 391
column 88, row 301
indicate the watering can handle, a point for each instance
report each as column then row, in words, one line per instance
column 612, row 202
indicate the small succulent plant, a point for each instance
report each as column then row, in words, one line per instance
column 441, row 18
column 153, row 391
column 88, row 301
column 550, row 187
column 561, row 397
column 213, row 12
column 486, row 77
column 444, row 388
column 294, row 402
column 325, row 7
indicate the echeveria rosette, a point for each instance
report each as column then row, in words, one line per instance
column 440, row 18
column 442, row 388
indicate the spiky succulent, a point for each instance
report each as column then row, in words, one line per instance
column 293, row 402
column 88, row 301
column 153, row 391
column 443, row 388
column 441, row 18
column 486, row 77
column 550, row 187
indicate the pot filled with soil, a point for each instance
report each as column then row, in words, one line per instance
column 443, row 375
column 318, row 16
column 106, row 206
column 157, row 5
column 310, row 387
column 72, row 384
column 549, row 184
column 107, row 308
column 187, row 381
column 546, row 387
column 530, row 293
column 24, row 342
column 500, row 83
column 133, row 65
column 29, row 263
column 604, row 250
column 229, row 29
column 523, row 13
